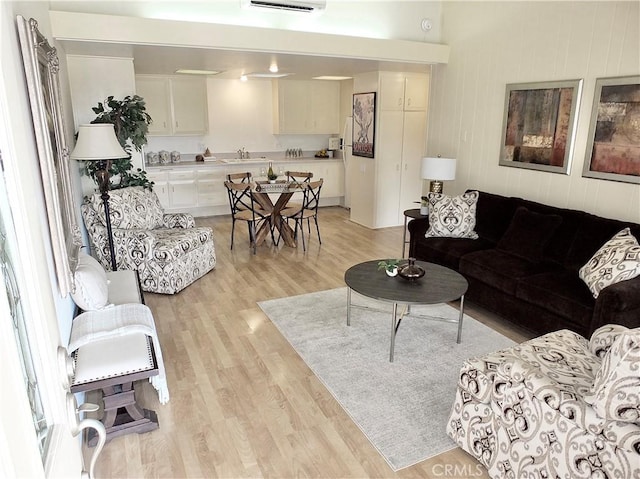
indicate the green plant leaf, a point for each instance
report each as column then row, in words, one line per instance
column 131, row 123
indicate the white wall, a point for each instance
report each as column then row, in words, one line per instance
column 495, row 43
column 48, row 315
column 394, row 19
column 92, row 80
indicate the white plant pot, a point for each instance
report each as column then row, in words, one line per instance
column 392, row 273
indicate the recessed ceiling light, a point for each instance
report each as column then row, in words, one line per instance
column 268, row 75
column 243, row 77
column 331, row 77
column 273, row 68
column 197, row 72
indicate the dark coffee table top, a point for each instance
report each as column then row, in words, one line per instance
column 438, row 285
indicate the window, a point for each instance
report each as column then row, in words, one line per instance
column 16, row 310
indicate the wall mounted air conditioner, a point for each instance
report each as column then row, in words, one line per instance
column 290, row 5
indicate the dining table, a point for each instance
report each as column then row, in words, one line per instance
column 261, row 191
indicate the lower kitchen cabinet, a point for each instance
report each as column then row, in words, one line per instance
column 211, row 190
column 182, row 189
column 160, row 187
column 201, row 191
column 332, row 172
column 175, row 189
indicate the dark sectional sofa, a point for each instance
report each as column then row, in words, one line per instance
column 530, row 274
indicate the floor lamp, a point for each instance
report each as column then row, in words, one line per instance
column 98, row 142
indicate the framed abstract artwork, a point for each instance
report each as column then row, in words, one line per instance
column 539, row 125
column 41, row 72
column 613, row 150
column 364, row 119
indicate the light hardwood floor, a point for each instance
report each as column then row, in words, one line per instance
column 243, row 404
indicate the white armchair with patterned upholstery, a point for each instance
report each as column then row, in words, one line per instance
column 168, row 250
column 557, row 406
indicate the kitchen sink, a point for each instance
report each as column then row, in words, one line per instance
column 257, row 159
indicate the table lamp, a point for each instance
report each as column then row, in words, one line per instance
column 98, row 142
column 437, row 170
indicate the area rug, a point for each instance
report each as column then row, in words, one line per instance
column 402, row 407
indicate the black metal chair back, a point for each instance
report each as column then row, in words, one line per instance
column 244, row 208
column 244, row 177
column 309, row 209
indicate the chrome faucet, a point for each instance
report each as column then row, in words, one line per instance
column 243, row 154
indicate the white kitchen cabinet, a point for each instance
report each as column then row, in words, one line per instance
column 414, row 138
column 324, row 115
column 306, row 107
column 156, row 92
column 200, row 189
column 182, row 189
column 176, row 189
column 160, row 186
column 177, row 105
column 333, row 174
column 400, row 145
column 290, row 107
column 211, row 189
column 416, row 92
column 190, row 109
column 403, row 91
column 391, row 87
column 389, row 166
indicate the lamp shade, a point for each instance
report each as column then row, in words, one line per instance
column 97, row 141
column 438, row 168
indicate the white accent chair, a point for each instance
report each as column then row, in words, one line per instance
column 168, row 250
column 556, row 406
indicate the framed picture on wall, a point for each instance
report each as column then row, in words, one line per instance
column 41, row 67
column 539, row 125
column 364, row 119
column 613, row 151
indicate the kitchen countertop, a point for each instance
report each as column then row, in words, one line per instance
column 236, row 161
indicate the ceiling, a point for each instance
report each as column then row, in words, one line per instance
column 166, row 60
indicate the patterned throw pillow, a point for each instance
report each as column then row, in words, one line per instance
column 617, row 260
column 603, row 338
column 452, row 217
column 616, row 389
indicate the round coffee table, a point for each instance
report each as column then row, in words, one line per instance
column 438, row 285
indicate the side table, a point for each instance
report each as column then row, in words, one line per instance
column 413, row 213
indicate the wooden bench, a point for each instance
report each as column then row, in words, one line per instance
column 113, row 365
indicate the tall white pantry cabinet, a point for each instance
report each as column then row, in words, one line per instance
column 400, row 144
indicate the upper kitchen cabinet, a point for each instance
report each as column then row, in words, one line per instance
column 403, row 91
column 177, row 104
column 306, row 107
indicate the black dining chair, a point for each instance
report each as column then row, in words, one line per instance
column 308, row 210
column 244, row 208
column 299, row 177
column 244, row 177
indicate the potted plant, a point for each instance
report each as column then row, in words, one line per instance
column 131, row 123
column 390, row 266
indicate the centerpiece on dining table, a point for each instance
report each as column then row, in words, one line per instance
column 271, row 176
